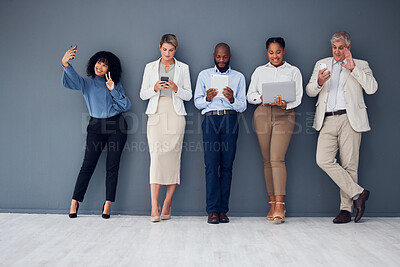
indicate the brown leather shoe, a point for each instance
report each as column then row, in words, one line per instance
column 343, row 217
column 223, row 218
column 359, row 204
column 213, row 218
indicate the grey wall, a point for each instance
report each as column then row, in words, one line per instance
column 43, row 124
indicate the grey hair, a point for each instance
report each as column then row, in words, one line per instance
column 341, row 35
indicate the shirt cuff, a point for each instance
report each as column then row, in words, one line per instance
column 115, row 94
column 290, row 105
column 202, row 103
column 234, row 104
column 67, row 68
column 257, row 100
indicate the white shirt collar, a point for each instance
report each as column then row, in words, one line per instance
column 284, row 65
column 344, row 61
column 217, row 70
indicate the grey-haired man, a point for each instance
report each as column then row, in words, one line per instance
column 341, row 117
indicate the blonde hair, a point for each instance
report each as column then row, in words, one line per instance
column 169, row 38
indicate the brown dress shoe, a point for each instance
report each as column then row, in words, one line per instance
column 359, row 204
column 343, row 217
column 213, row 218
column 223, row 218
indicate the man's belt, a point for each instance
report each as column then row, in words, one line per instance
column 333, row 113
column 220, row 112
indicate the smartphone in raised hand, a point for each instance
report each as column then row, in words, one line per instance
column 74, row 47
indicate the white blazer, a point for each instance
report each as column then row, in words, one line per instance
column 353, row 84
column 181, row 79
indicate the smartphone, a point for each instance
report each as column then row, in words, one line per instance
column 164, row 79
column 322, row 66
column 73, row 46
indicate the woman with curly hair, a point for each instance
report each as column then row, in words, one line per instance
column 106, row 100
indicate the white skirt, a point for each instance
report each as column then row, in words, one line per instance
column 165, row 132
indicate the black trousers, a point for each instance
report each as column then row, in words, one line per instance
column 110, row 132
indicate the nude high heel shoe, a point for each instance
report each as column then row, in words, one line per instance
column 271, row 217
column 156, row 218
column 279, row 217
column 166, row 216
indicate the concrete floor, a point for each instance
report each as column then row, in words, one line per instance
column 56, row 240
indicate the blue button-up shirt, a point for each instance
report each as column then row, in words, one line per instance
column 101, row 102
column 236, row 82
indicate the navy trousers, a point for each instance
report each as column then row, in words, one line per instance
column 220, row 133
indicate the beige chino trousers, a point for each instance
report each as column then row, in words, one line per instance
column 337, row 135
column 274, row 127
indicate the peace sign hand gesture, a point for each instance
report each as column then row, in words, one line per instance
column 109, row 82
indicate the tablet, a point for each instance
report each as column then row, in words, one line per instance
column 219, row 82
column 285, row 89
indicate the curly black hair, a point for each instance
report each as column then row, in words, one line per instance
column 113, row 62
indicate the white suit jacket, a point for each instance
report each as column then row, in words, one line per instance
column 181, row 79
column 353, row 84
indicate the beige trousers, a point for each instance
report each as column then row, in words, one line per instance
column 274, row 127
column 337, row 134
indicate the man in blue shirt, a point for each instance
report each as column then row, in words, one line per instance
column 220, row 130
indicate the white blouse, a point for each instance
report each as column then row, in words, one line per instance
column 269, row 73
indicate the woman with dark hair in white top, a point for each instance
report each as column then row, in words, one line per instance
column 274, row 123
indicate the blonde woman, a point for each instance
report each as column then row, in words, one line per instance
column 166, row 84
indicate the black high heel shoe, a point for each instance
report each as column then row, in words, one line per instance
column 103, row 215
column 74, row 215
